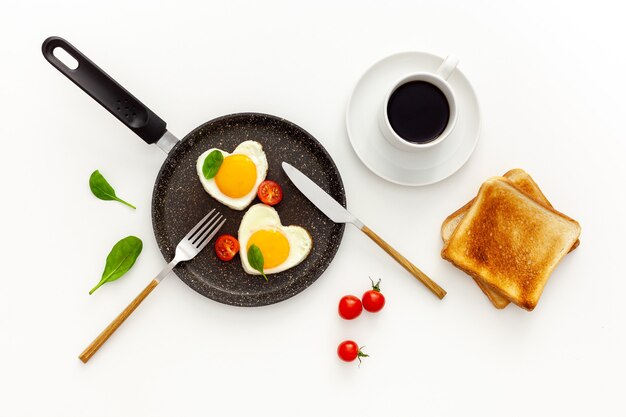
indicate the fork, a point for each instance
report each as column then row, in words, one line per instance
column 187, row 249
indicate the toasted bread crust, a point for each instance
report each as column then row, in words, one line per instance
column 510, row 242
column 453, row 220
column 498, row 300
column 522, row 180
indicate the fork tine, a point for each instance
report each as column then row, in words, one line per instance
column 204, row 241
column 208, row 226
column 197, row 226
column 207, row 229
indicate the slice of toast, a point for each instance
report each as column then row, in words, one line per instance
column 510, row 242
column 525, row 183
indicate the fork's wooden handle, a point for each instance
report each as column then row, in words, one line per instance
column 117, row 322
column 422, row 277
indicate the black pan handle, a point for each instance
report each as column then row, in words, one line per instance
column 106, row 91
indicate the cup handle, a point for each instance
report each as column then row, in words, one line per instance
column 447, row 67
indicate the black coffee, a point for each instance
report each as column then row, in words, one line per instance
column 418, row 111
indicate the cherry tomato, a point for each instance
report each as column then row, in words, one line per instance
column 373, row 300
column 270, row 192
column 350, row 307
column 226, row 247
column 348, row 351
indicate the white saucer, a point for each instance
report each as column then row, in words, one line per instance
column 428, row 166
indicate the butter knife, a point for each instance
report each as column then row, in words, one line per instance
column 337, row 213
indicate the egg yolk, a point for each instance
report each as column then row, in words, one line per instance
column 236, row 176
column 273, row 244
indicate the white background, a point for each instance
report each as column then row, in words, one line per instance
column 550, row 80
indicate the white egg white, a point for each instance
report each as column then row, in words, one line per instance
column 253, row 150
column 263, row 217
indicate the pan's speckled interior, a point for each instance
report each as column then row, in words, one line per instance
column 179, row 202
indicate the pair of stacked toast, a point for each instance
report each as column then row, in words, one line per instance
column 509, row 239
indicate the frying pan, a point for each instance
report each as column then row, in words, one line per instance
column 179, row 201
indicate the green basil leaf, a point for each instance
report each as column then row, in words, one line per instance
column 121, row 258
column 255, row 259
column 102, row 189
column 212, row 164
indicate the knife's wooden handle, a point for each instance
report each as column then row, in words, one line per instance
column 415, row 271
column 117, row 322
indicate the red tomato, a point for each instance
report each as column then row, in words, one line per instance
column 349, row 351
column 270, row 192
column 226, row 247
column 350, row 307
column 373, row 300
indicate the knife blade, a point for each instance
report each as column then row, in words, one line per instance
column 337, row 213
column 328, row 205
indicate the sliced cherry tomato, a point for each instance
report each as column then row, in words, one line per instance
column 373, row 300
column 270, row 192
column 226, row 247
column 350, row 307
column 348, row 351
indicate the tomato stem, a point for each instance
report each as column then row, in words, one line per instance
column 360, row 354
column 375, row 287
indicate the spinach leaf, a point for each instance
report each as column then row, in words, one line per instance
column 121, row 258
column 255, row 259
column 102, row 189
column 212, row 164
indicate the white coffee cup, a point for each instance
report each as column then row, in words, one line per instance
column 438, row 79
